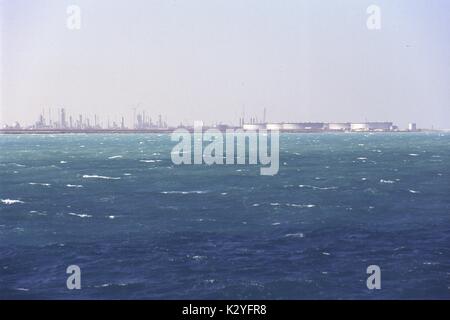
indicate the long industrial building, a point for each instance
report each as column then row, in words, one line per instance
column 322, row 126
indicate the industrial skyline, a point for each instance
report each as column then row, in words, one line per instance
column 59, row 119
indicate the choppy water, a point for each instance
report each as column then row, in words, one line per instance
column 140, row 227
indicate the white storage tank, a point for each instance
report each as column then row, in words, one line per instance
column 380, row 126
column 291, row 126
column 339, row 126
column 360, row 126
column 312, row 125
column 274, row 126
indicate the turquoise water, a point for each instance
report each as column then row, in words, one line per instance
column 140, row 227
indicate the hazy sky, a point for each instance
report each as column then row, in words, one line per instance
column 310, row 60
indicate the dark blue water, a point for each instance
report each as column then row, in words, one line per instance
column 140, row 227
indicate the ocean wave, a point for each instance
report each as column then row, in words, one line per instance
column 209, row 281
column 413, row 155
column 198, row 258
column 414, row 191
column 80, row 215
column 115, row 157
column 185, row 192
column 87, row 176
column 300, row 205
column 74, row 186
column 39, row 184
column 294, row 235
column 18, row 165
column 10, row 201
column 316, row 188
column 38, row 213
column 106, row 285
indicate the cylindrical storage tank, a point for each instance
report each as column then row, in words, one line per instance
column 360, row 127
column 291, row 126
column 380, row 126
column 314, row 125
column 274, row 126
column 339, row 126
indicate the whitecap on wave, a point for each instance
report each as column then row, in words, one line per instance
column 185, row 192
column 294, row 235
column 316, row 188
column 18, row 165
column 9, row 201
column 87, row 176
column 115, row 157
column 39, row 184
column 387, row 181
column 198, row 258
column 300, row 205
column 74, row 186
column 38, row 213
column 80, row 215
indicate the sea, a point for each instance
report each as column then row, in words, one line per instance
column 140, row 227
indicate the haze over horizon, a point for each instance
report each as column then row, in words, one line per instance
column 210, row 60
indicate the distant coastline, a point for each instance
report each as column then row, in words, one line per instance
column 169, row 130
